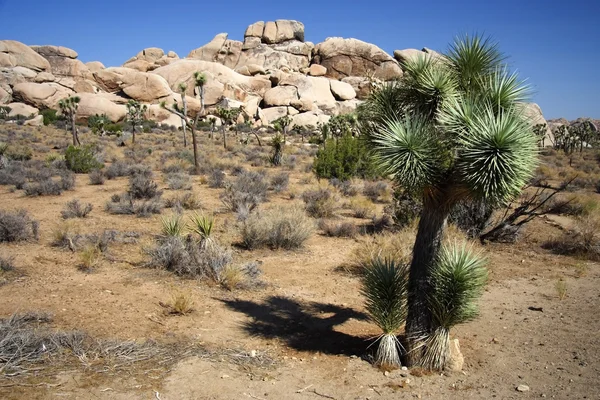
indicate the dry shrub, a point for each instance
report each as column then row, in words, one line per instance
column 64, row 235
column 182, row 303
column 141, row 186
column 321, row 203
column 338, row 228
column 89, row 258
column 362, row 208
column 187, row 201
column 280, row 182
column 387, row 246
column 6, row 263
column 216, row 179
column 74, row 209
column 124, row 205
column 278, row 227
column 247, row 191
column 376, row 191
column 347, row 188
column 96, row 177
column 583, row 241
column 16, row 226
column 179, row 180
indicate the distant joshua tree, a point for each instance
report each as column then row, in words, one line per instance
column 181, row 112
column 135, row 115
column 68, row 108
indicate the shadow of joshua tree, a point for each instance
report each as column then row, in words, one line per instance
column 303, row 327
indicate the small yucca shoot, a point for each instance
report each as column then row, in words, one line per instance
column 384, row 284
column 172, row 226
column 458, row 280
column 202, row 225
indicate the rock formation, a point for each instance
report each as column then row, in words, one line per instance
column 274, row 72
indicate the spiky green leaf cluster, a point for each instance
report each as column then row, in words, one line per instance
column 172, row 226
column 384, row 285
column 457, row 282
column 202, row 225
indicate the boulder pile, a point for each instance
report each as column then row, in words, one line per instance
column 274, row 72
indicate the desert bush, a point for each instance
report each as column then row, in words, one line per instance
column 16, row 226
column 387, row 246
column 471, row 216
column 344, row 158
column 6, row 263
column 338, row 228
column 347, row 188
column 404, row 208
column 125, row 205
column 280, row 182
column 582, row 241
column 187, row 201
column 82, row 160
column 179, row 180
column 18, row 153
column 279, row 227
column 320, row 203
column 182, row 303
column 74, row 209
column 89, row 258
column 141, row 186
column 49, row 116
column 96, row 177
column 117, row 169
column 64, row 235
column 49, row 186
column 216, row 179
column 246, row 192
column 376, row 191
column 13, row 174
column 362, row 208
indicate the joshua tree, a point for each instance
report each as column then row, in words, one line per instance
column 227, row 116
column 540, row 133
column 135, row 115
column 282, row 125
column 199, row 81
column 277, row 143
column 213, row 125
column 4, row 111
column 68, row 108
column 384, row 285
column 182, row 89
column 98, row 123
column 451, row 129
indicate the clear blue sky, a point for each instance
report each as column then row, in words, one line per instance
column 553, row 43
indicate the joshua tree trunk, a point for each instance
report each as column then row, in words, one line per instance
column 74, row 131
column 427, row 245
column 183, row 122
column 133, row 133
column 195, row 145
column 224, row 136
column 257, row 138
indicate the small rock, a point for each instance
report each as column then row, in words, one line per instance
column 522, row 388
column 224, row 376
column 404, row 368
column 386, row 373
column 253, row 353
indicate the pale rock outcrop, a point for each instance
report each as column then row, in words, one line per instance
column 151, row 54
column 5, row 95
column 346, row 107
column 317, row 70
column 17, row 54
column 183, row 71
column 314, row 89
column 77, row 85
column 220, row 50
column 273, row 113
column 361, row 86
column 255, row 30
column 251, row 70
column 41, row 95
column 141, row 86
column 63, row 66
column 282, row 30
column 35, row 121
column 534, row 113
column 95, row 66
column 251, row 43
column 303, row 105
column 271, row 58
column 55, row 51
column 353, row 57
column 280, row 96
column 172, row 54
column 309, row 118
column 21, row 109
column 92, row 104
column 9, row 78
column 342, row 90
column 140, row 65
column 44, row 77
column 407, row 55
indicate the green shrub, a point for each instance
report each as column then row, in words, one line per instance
column 113, row 129
column 50, row 116
column 344, row 158
column 278, row 228
column 82, row 159
column 18, row 153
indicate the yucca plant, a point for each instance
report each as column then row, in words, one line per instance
column 202, row 225
column 452, row 128
column 172, row 226
column 457, row 281
column 136, row 113
column 384, row 285
column 68, row 108
column 181, row 112
column 277, row 143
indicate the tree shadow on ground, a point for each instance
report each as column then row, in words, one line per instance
column 303, row 327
